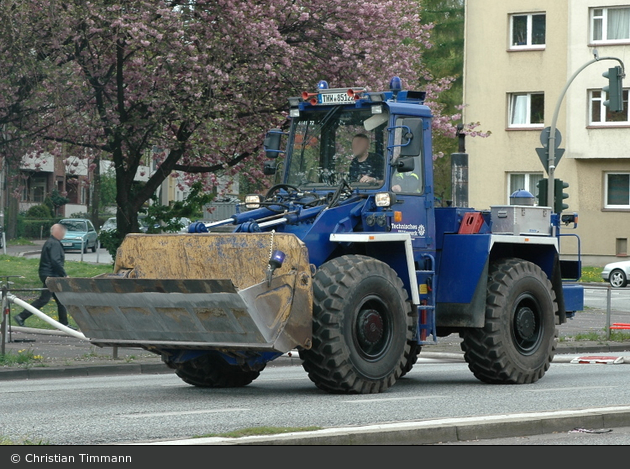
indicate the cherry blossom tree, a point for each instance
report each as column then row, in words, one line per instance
column 191, row 86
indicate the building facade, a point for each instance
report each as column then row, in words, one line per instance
column 519, row 56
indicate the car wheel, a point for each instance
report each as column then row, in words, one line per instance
column 618, row 279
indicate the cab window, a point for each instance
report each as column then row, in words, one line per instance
column 407, row 144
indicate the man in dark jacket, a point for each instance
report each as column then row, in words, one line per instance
column 50, row 265
column 365, row 167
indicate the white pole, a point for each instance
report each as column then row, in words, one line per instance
column 608, row 306
column 45, row 317
column 4, row 242
column 82, row 247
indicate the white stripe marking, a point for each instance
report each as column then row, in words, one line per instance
column 386, row 399
column 190, row 412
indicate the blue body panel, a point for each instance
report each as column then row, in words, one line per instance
column 573, row 297
column 460, row 265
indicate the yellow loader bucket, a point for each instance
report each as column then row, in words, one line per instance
column 211, row 291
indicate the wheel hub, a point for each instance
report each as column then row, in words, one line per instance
column 525, row 323
column 370, row 327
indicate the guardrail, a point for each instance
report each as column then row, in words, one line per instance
column 8, row 298
column 608, row 288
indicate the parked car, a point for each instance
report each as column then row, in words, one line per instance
column 80, row 233
column 110, row 225
column 184, row 223
column 617, row 273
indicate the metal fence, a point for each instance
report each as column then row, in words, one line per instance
column 610, row 324
column 221, row 209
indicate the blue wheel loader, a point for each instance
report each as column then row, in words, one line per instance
column 348, row 259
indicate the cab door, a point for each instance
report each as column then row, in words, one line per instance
column 411, row 180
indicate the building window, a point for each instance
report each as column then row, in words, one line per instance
column 617, row 190
column 610, row 24
column 523, row 181
column 527, row 31
column 527, row 110
column 600, row 114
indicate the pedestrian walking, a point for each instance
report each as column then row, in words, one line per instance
column 51, row 264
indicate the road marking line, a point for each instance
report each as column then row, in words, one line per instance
column 582, row 388
column 386, row 399
column 281, row 379
column 190, row 412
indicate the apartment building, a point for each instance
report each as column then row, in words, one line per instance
column 519, row 55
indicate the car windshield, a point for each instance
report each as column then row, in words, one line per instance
column 335, row 143
column 75, row 225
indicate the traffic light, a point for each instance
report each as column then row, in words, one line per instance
column 541, row 197
column 558, row 193
column 559, row 196
column 614, row 89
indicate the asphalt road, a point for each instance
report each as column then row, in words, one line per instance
column 101, row 256
column 142, row 408
column 597, row 297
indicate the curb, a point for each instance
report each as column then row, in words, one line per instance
column 436, row 431
column 28, row 253
column 84, row 371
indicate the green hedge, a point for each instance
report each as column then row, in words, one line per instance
column 34, row 228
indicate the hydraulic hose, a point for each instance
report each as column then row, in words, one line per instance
column 45, row 317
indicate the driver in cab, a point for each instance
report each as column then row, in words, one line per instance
column 365, row 167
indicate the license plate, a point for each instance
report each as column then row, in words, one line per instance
column 67, row 244
column 335, row 98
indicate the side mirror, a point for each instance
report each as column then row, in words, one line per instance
column 404, row 165
column 272, row 143
column 270, row 168
column 412, row 138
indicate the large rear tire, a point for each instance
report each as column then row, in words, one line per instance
column 518, row 341
column 362, row 327
column 210, row 371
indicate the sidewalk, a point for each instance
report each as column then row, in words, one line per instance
column 24, row 250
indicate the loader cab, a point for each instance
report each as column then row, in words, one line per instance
column 329, row 144
column 396, row 128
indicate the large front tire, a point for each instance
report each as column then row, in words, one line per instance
column 210, row 371
column 518, row 341
column 362, row 327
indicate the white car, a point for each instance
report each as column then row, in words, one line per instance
column 617, row 273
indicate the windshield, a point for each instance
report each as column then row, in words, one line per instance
column 335, row 143
column 75, row 225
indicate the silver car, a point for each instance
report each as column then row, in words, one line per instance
column 617, row 273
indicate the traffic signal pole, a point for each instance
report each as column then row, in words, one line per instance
column 552, row 134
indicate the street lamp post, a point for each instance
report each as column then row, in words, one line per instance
column 551, row 165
